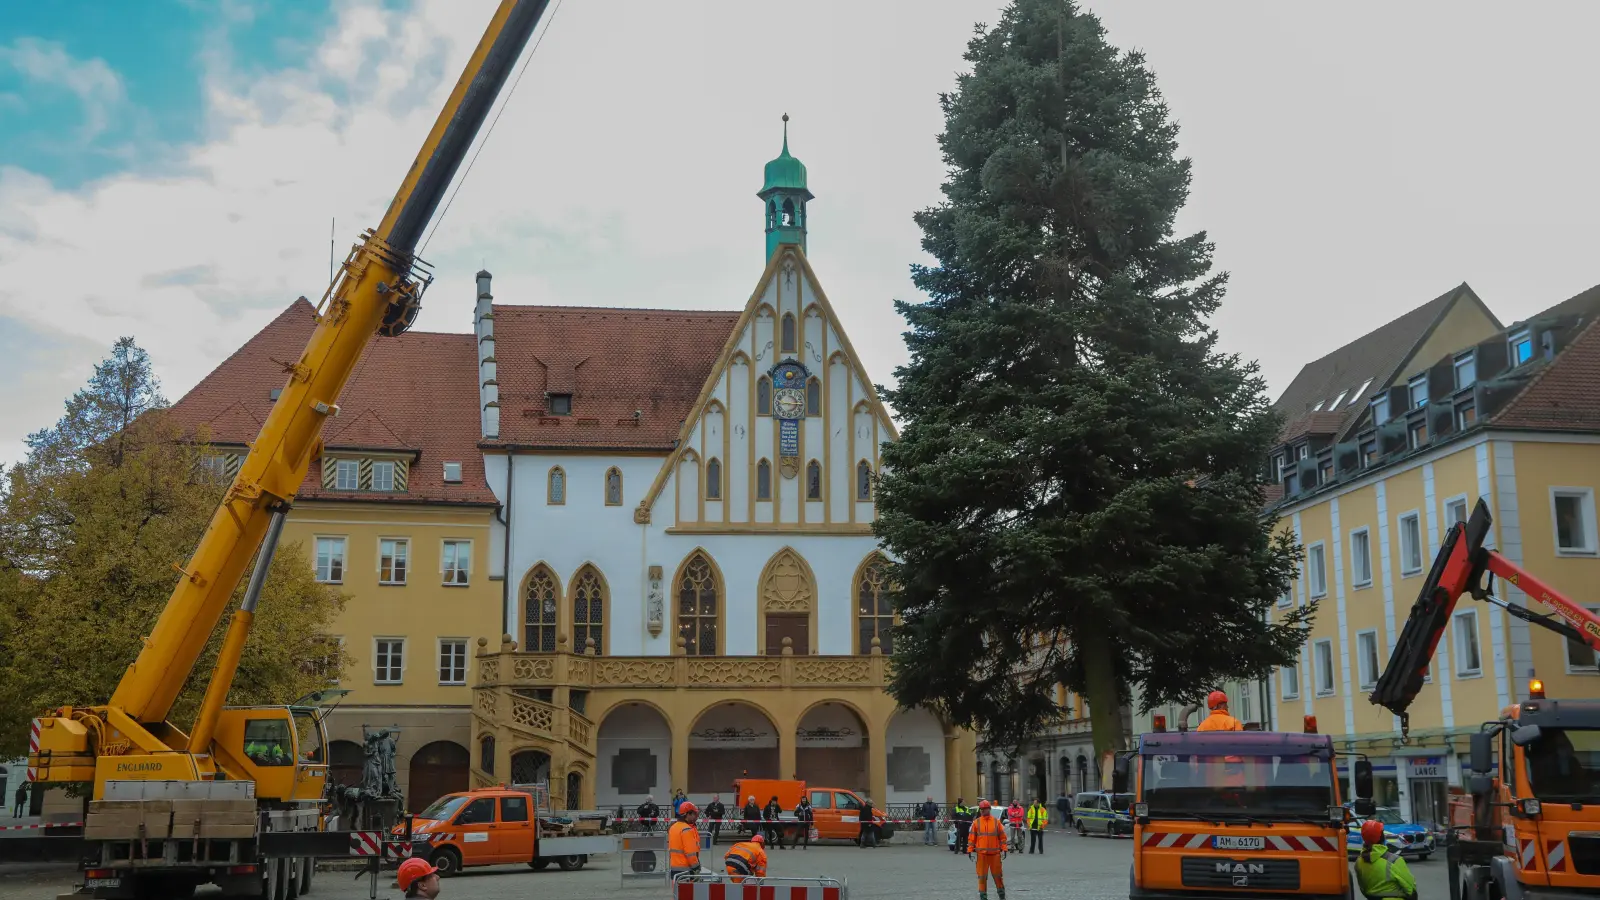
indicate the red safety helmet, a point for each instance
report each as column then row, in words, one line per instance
column 759, row 838
column 1372, row 832
column 413, row 870
column 686, row 808
column 983, row 804
column 1216, row 700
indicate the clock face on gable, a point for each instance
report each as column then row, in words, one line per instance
column 789, row 403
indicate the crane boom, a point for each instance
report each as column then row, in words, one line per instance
column 1459, row 568
column 376, row 291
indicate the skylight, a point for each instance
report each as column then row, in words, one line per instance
column 1337, row 400
column 1318, row 407
column 1361, row 391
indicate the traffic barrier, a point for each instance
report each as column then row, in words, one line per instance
column 723, row 887
column 394, row 851
column 42, row 825
column 365, row 843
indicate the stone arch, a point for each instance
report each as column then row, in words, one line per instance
column 914, row 743
column 438, row 768
column 739, row 358
column 698, row 573
column 812, row 311
column 833, row 743
column 732, row 739
column 345, row 761
column 540, row 595
column 872, row 599
column 589, row 599
column 765, row 311
column 689, row 486
column 634, row 750
column 530, row 765
column 787, row 604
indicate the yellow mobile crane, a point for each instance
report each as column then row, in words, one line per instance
column 143, row 767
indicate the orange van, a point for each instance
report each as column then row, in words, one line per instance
column 836, row 811
column 492, row 827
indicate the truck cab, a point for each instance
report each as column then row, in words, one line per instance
column 836, row 812
column 1226, row 812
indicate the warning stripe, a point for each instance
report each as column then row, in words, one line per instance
column 700, row 890
column 1528, row 852
column 42, row 825
column 33, row 737
column 1556, row 855
column 365, row 843
column 1290, row 843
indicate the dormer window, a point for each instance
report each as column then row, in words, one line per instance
column 1380, row 410
column 346, row 475
column 452, row 473
column 383, row 476
column 1466, row 370
column 1419, row 391
column 1521, row 347
column 560, row 404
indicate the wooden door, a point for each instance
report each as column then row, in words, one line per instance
column 796, row 628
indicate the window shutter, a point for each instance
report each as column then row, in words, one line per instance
column 364, row 478
column 401, row 469
column 330, row 470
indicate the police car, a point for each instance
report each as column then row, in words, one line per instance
column 1412, row 840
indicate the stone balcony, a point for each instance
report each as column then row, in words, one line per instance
column 513, row 670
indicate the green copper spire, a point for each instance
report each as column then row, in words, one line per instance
column 785, row 196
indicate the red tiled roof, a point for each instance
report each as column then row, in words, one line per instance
column 1566, row 395
column 417, row 392
column 613, row 362
column 1323, row 423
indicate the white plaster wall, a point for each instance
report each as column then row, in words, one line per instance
column 632, row 727
column 918, row 728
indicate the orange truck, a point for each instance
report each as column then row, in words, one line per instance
column 494, row 827
column 1221, row 813
column 836, row 811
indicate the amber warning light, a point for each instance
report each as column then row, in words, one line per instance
column 1160, row 723
column 1536, row 689
column 1311, row 724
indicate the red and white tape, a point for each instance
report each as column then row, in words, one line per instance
column 42, row 825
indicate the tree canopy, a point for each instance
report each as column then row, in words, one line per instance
column 91, row 524
column 1075, row 498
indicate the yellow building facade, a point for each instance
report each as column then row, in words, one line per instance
column 1391, row 441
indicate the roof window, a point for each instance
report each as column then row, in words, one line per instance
column 452, row 473
column 1318, row 407
column 1337, row 400
column 1361, row 391
column 560, row 404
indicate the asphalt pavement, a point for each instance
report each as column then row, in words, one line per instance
column 1071, row 868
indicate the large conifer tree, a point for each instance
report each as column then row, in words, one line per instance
column 1075, row 496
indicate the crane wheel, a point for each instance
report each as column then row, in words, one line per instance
column 307, row 867
column 291, row 879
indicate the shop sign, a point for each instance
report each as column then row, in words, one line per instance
column 1427, row 767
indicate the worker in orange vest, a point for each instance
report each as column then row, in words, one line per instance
column 1219, row 720
column 986, row 842
column 683, row 842
column 747, row 859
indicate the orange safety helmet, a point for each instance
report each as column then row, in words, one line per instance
column 413, row 870
column 759, row 838
column 1372, row 832
column 686, row 808
column 983, row 804
column 1216, row 700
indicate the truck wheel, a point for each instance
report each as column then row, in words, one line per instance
column 1082, row 831
column 307, row 867
column 447, row 861
column 571, row 862
column 540, row 864
column 291, row 879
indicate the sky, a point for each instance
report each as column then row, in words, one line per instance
column 174, row 169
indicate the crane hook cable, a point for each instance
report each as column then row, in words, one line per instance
column 549, row 23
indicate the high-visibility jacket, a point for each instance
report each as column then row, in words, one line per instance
column 986, row 835
column 1037, row 817
column 746, row 858
column 1014, row 815
column 683, row 845
column 1385, row 875
column 1219, row 720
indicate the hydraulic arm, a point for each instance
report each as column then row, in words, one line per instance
column 376, row 292
column 1465, row 566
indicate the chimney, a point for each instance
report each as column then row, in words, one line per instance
column 488, row 386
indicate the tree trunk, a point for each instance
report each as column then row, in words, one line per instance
column 1105, row 706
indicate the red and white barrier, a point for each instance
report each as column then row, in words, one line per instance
column 723, row 887
column 365, row 843
column 33, row 748
column 1191, row 841
column 42, row 825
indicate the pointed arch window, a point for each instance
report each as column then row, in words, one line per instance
column 556, row 495
column 539, row 606
column 588, row 611
column 713, row 479
column 699, row 604
column 613, row 486
column 763, row 480
column 874, row 606
column 788, row 212
column 813, row 397
column 813, row 480
column 486, row 754
column 763, row 396
column 788, row 334
column 863, row 480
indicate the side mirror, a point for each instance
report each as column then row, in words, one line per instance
column 1363, row 808
column 1525, row 735
column 1364, row 780
column 1480, row 785
column 1481, row 757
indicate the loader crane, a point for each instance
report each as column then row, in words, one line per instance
column 127, row 748
column 1533, row 828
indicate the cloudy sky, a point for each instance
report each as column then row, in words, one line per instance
column 170, row 169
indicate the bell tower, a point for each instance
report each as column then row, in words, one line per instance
column 784, row 197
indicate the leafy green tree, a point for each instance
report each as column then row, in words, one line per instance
column 90, row 527
column 1075, row 496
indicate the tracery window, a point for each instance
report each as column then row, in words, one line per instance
column 557, row 495
column 763, row 480
column 874, row 606
column 539, row 611
column 788, row 334
column 863, row 480
column 698, row 603
column 588, row 611
column 813, row 397
column 613, row 486
column 813, row 480
column 763, row 396
column 713, row 479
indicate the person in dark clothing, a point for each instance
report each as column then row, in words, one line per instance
column 805, row 815
column 961, row 815
column 928, row 812
column 1064, row 807
column 869, row 827
column 716, row 812
column 649, row 814
column 771, row 815
column 751, row 816
column 22, row 801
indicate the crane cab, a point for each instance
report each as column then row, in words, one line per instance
column 283, row 749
